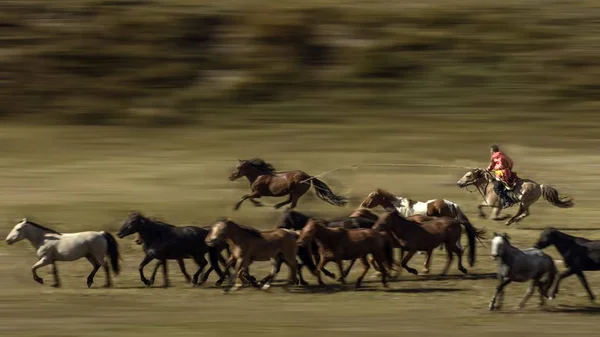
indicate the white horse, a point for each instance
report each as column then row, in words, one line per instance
column 408, row 207
column 521, row 266
column 52, row 246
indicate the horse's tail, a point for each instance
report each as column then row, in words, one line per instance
column 551, row 195
column 112, row 250
column 472, row 234
column 325, row 193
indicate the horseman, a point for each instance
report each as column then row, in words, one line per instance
column 501, row 165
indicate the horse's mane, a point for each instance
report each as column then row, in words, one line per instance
column 250, row 230
column 387, row 195
column 152, row 220
column 42, row 227
column 261, row 165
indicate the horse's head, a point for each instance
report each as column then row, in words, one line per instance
column 307, row 235
column 499, row 243
column 18, row 233
column 131, row 225
column 218, row 232
column 547, row 238
column 241, row 169
column 474, row 177
column 379, row 197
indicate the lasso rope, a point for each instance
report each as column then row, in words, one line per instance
column 396, row 165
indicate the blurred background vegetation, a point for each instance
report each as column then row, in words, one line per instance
column 160, row 62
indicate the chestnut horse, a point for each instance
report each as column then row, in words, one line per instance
column 339, row 244
column 248, row 245
column 428, row 235
column 266, row 182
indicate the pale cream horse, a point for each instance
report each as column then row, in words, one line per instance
column 525, row 192
column 52, row 246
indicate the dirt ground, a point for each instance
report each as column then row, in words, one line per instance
column 90, row 178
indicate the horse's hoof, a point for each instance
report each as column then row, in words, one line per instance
column 39, row 280
column 55, row 285
column 89, row 284
column 413, row 271
column 463, row 270
column 266, row 287
column 425, row 271
column 304, row 283
column 218, row 283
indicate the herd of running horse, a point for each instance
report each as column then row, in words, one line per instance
column 300, row 240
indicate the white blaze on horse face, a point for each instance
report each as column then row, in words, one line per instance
column 17, row 233
column 497, row 243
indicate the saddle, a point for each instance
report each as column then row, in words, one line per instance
column 509, row 185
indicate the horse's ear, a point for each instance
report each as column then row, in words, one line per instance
column 239, row 160
column 495, row 234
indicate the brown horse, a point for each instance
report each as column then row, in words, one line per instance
column 266, row 182
column 428, row 235
column 339, row 244
column 248, row 245
column 525, row 192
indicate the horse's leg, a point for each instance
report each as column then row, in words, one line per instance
column 450, row 249
column 342, row 279
column 524, row 214
column 201, row 261
column 154, row 271
column 561, row 276
column 405, row 262
column 586, row 285
column 283, row 203
column 366, row 267
column 528, row 294
column 275, row 268
column 499, row 291
column 44, row 261
column 231, row 262
column 55, row 273
column 347, row 271
column 256, row 203
column 427, row 262
column 459, row 250
column 516, row 216
column 291, row 262
column 480, row 211
column 321, row 266
column 214, row 255
column 542, row 292
column 96, row 265
column 244, row 197
column 187, row 276
column 165, row 274
column 317, row 259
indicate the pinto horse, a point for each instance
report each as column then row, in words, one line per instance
column 526, row 192
column 266, row 182
column 408, row 207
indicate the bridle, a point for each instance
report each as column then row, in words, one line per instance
column 474, row 181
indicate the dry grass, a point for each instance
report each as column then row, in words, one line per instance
column 76, row 178
column 159, row 62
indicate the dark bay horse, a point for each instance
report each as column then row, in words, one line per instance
column 339, row 244
column 579, row 254
column 427, row 235
column 164, row 242
column 292, row 219
column 266, row 182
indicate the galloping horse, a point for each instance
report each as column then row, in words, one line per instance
column 526, row 192
column 410, row 208
column 266, row 182
column 248, row 244
column 52, row 246
column 428, row 235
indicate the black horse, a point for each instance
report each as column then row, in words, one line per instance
column 164, row 242
column 579, row 255
column 295, row 220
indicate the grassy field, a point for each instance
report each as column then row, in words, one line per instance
column 114, row 106
column 80, row 178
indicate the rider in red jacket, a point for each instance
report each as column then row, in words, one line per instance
column 501, row 165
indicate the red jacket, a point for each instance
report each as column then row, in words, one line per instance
column 502, row 166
